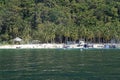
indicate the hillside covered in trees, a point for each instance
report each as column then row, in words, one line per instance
column 60, row 20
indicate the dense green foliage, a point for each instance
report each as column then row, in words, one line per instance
column 60, row 20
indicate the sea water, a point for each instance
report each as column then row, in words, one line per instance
column 58, row 64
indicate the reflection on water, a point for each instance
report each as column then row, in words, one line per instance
column 59, row 64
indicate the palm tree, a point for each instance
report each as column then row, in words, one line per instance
column 66, row 33
column 74, row 33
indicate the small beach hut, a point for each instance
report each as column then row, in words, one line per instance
column 17, row 40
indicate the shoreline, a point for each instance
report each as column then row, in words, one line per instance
column 32, row 46
column 60, row 46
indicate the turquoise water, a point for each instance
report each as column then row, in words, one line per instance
column 60, row 64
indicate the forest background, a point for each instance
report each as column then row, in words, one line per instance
column 60, row 21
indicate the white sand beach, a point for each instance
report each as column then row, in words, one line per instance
column 57, row 46
column 32, row 46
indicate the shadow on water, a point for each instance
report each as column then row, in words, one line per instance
column 47, row 64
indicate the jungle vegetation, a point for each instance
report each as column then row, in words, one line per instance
column 60, row 20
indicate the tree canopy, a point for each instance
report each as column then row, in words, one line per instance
column 60, row 20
